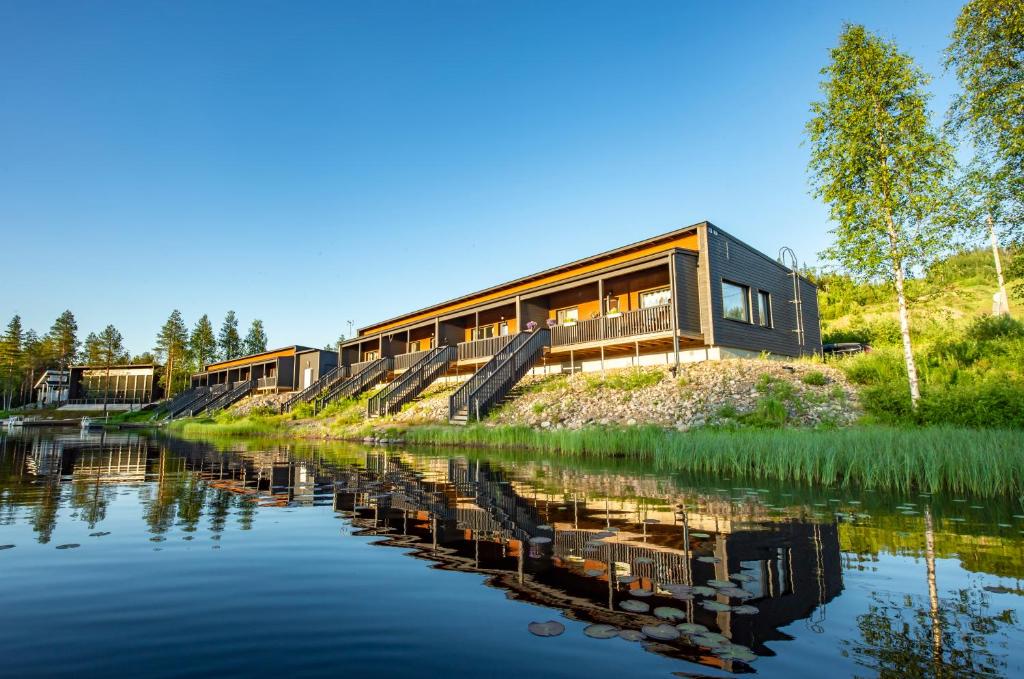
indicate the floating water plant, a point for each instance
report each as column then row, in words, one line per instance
column 669, row 613
column 642, row 592
column 716, row 606
column 745, row 610
column 551, row 628
column 662, row 632
column 70, row 545
column 634, row 606
column 736, row 593
column 99, row 534
column 705, row 591
column 3, row 547
column 600, row 631
column 632, row 635
column 718, row 584
column 708, row 559
column 709, row 639
column 741, row 577
column 691, row 628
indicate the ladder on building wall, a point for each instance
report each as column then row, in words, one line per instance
column 797, row 301
column 412, row 382
column 496, row 378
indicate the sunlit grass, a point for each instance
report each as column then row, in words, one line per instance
column 934, row 459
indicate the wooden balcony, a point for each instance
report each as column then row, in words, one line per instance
column 267, row 382
column 406, row 361
column 482, row 349
column 629, row 324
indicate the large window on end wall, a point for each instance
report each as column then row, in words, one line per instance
column 658, row 297
column 735, row 301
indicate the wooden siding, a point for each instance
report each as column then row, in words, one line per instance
column 250, row 360
column 686, row 241
column 687, row 293
column 731, row 260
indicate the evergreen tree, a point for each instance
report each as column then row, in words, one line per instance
column 91, row 350
column 35, row 358
column 11, row 348
column 255, row 339
column 880, row 167
column 228, row 340
column 111, row 351
column 63, row 340
column 202, row 344
column 171, row 344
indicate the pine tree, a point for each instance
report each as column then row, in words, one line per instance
column 171, row 344
column 91, row 350
column 880, row 167
column 228, row 340
column 256, row 339
column 63, row 339
column 111, row 351
column 202, row 344
column 11, row 348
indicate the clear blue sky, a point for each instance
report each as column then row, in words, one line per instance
column 309, row 163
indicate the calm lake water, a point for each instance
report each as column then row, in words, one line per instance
column 122, row 555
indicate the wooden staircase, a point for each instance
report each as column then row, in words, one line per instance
column 412, row 382
column 327, row 380
column 372, row 374
column 236, row 393
column 496, row 378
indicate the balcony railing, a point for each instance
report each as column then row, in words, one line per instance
column 647, row 321
column 406, row 361
column 484, row 348
column 267, row 382
column 357, row 368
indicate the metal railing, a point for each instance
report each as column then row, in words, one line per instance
column 367, row 376
column 413, row 381
column 360, row 366
column 183, row 400
column 237, row 393
column 504, row 371
column 483, row 348
column 634, row 323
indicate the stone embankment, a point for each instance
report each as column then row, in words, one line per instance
column 716, row 393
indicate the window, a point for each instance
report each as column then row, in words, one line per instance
column 413, row 346
column 371, row 355
column 484, row 331
column 735, row 302
column 655, row 298
column 503, row 329
column 764, row 308
column 613, row 305
column 570, row 315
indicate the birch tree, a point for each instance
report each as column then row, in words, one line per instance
column 881, row 168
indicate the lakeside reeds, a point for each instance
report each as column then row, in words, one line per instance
column 987, row 462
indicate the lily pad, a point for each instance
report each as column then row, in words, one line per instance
column 627, row 579
column 634, row 606
column 705, row 591
column 544, row 527
column 674, row 587
column 539, row 540
column 736, row 593
column 718, row 584
column 551, row 628
column 603, row 534
column 99, row 534
column 595, row 544
column 709, row 639
column 594, row 572
column 716, row 606
column 745, row 610
column 743, row 655
column 662, row 632
column 708, row 559
column 70, row 545
column 682, row 596
column 599, row 631
column 632, row 635
column 3, row 547
column 699, row 536
column 642, row 592
column 669, row 613
column 741, row 577
column 691, row 628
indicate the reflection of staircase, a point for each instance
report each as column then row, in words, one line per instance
column 493, row 381
column 355, row 385
column 412, row 382
column 326, row 381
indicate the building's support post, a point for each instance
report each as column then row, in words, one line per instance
column 675, row 308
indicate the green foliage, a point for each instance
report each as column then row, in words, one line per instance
column 934, row 459
column 987, row 53
column 171, row 349
column 625, row 380
column 815, row 378
column 228, row 341
column 202, row 345
column 256, row 340
column 63, row 339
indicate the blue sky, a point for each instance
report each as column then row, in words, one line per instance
column 310, row 163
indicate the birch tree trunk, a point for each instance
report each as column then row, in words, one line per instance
column 1004, row 307
column 908, row 350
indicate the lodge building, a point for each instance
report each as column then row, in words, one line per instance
column 696, row 293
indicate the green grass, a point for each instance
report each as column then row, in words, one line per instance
column 933, row 459
column 625, row 380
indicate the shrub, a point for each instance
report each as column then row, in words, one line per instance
column 987, row 328
column 626, row 380
column 815, row 378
